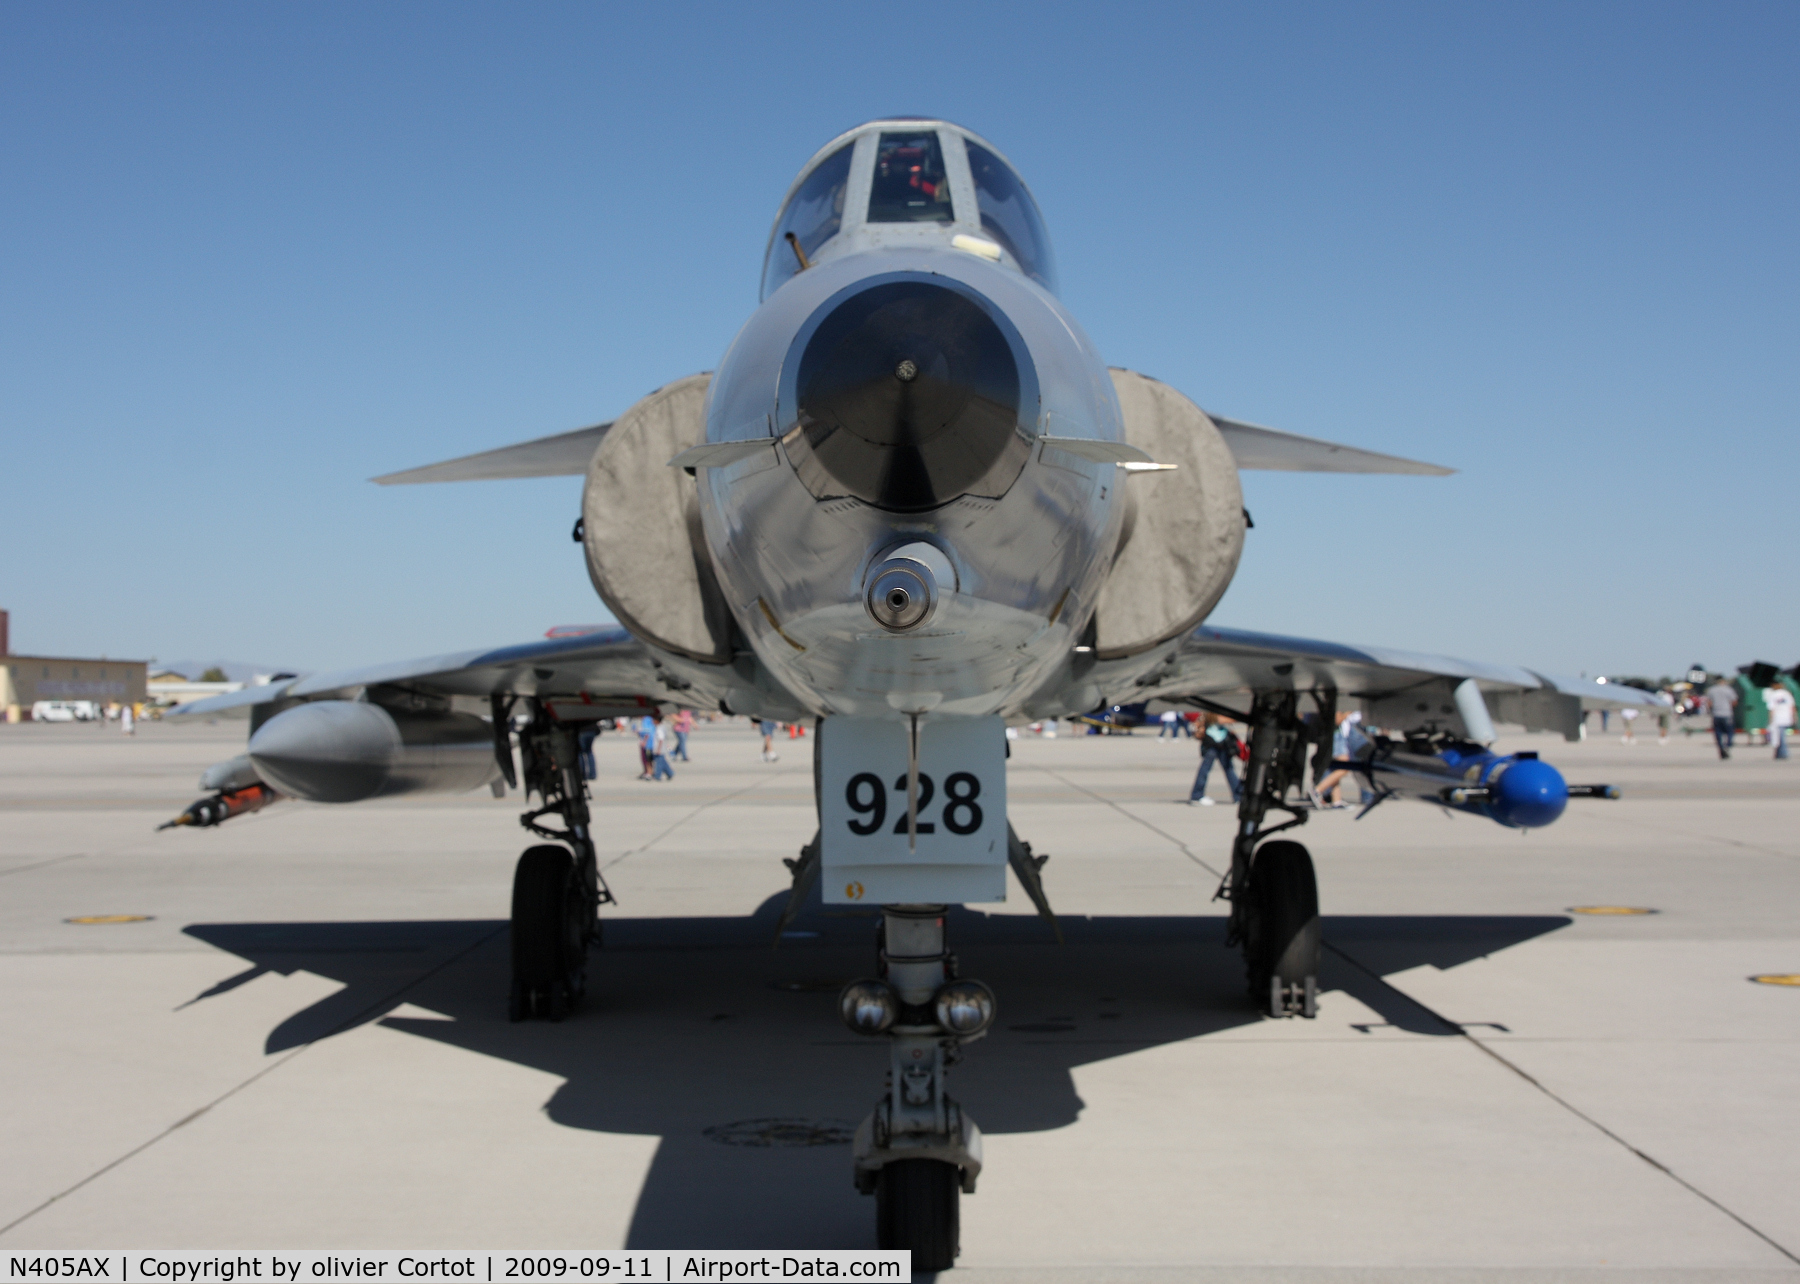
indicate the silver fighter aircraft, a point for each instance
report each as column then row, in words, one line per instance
column 913, row 505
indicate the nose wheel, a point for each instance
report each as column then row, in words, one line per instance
column 918, row 1206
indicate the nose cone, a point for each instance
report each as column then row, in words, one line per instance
column 909, row 394
column 1529, row 794
column 329, row 751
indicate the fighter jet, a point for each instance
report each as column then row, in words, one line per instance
column 912, row 506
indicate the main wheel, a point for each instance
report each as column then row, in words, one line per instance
column 918, row 1205
column 1281, row 929
column 549, row 962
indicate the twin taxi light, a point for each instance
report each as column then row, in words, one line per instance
column 869, row 1007
column 964, row 1008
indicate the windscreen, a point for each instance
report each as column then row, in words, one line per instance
column 813, row 215
column 1010, row 216
column 910, row 184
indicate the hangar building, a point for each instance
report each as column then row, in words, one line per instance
column 26, row 679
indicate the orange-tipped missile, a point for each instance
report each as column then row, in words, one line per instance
column 221, row 807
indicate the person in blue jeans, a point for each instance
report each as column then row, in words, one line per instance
column 585, row 743
column 659, row 750
column 1723, row 698
column 646, row 738
column 1217, row 744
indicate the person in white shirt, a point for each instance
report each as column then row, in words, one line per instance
column 1781, row 714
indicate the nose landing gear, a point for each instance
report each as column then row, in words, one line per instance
column 918, row 1153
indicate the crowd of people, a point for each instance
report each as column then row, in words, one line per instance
column 1757, row 707
column 661, row 741
column 1762, row 713
column 1222, row 747
column 1760, row 705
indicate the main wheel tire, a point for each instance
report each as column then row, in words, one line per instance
column 548, row 934
column 918, row 1206
column 1281, row 931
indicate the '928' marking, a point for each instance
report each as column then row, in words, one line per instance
column 868, row 798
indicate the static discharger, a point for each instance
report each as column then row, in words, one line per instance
column 1617, row 911
column 1777, row 978
column 107, row 920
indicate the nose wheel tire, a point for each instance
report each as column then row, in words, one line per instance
column 918, row 1206
column 1282, row 941
column 549, row 945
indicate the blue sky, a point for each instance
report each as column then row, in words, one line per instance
column 257, row 253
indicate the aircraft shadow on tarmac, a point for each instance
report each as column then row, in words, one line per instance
column 691, row 1023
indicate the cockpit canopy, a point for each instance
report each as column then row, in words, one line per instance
column 900, row 182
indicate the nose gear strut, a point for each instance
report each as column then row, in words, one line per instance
column 918, row 1153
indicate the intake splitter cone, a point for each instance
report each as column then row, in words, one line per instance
column 908, row 394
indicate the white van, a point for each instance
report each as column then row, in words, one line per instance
column 65, row 711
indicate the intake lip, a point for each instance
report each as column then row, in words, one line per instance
column 908, row 393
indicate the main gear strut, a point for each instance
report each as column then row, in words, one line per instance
column 557, row 889
column 1273, row 892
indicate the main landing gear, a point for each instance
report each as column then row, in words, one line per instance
column 557, row 889
column 918, row 1153
column 1273, row 893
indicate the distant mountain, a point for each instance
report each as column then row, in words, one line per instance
column 235, row 670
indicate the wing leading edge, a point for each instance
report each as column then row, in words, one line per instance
column 609, row 661
column 563, row 455
column 1393, row 685
column 1254, row 446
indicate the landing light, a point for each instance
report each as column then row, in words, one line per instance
column 964, row 1007
column 977, row 246
column 868, row 1007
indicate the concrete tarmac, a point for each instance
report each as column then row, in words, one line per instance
column 304, row 1044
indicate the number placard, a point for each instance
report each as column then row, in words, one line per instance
column 961, row 807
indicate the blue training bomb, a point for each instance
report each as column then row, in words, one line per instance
column 1517, row 789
